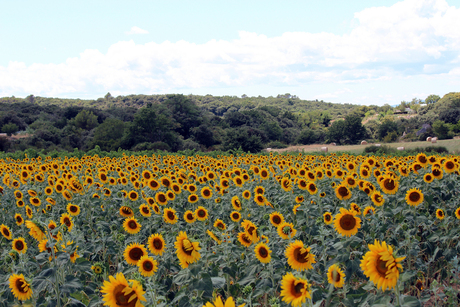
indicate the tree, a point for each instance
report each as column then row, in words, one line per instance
column 354, row 129
column 86, row 120
column 154, row 124
column 108, row 135
column 184, row 112
column 336, row 132
column 244, row 137
column 440, row 129
column 432, row 99
column 9, row 129
column 386, row 127
column 306, row 137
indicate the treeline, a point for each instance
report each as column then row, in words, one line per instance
column 178, row 122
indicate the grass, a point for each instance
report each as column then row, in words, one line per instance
column 453, row 146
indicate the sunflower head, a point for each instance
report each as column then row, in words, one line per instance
column 414, row 197
column 147, row 266
column 156, row 244
column 299, row 257
column 328, row 219
column 119, row 292
column 440, row 214
column 335, row 276
column 346, row 222
column 381, row 266
column 263, row 252
column 295, row 290
column 134, row 252
column 20, row 288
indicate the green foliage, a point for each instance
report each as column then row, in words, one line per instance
column 245, row 137
column 441, row 129
column 86, row 120
column 108, row 135
column 432, row 99
column 10, row 128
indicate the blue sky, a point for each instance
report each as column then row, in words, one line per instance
column 363, row 52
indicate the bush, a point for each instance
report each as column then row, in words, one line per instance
column 379, row 149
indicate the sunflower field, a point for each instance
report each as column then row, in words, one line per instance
column 244, row 230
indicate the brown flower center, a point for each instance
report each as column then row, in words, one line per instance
column 136, row 253
column 347, row 222
column 297, row 289
column 389, row 184
column 132, row 225
column 19, row 245
column 276, row 219
column 171, row 215
column 343, row 191
column 201, row 213
column 158, row 244
column 147, row 266
column 21, row 285
column 263, row 252
column 381, row 267
column 414, row 196
column 122, row 299
column 299, row 256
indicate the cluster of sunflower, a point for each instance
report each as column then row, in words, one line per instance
column 266, row 208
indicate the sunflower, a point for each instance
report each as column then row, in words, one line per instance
column 286, row 230
column 263, row 252
column 244, row 239
column 235, row 216
column 67, row 195
column 299, row 199
column 238, row 181
column 276, row 218
column 299, row 257
column 193, row 198
column 169, row 216
column 422, row 159
column 145, row 210
column 35, row 201
column 246, row 194
column 19, row 245
column 20, row 288
column 219, row 224
column 428, row 177
column 206, row 193
column 147, row 266
column 236, row 203
column 286, row 184
column 131, row 225
column 327, row 218
column 302, row 184
column 219, row 303
column 213, row 236
column 414, row 197
column 35, row 231
column 134, row 252
column 259, row 199
column 342, row 192
column 335, row 276
column 98, row 268
column 251, row 230
column 369, row 210
column 312, row 189
column 161, row 198
column 389, row 185
column 201, row 213
column 18, row 218
column 377, row 198
column 6, row 232
column 66, row 220
column 457, row 213
column 156, row 244
column 156, row 209
column 295, row 208
column 126, row 211
column 294, row 290
column 73, row 210
column 189, row 216
column 153, row 184
column 20, row 203
column 440, row 214
column 380, row 265
column 346, row 223
column 356, row 208
column 119, row 292
column 186, row 251
column 133, row 196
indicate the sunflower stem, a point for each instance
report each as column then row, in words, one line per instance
column 397, row 294
column 329, row 295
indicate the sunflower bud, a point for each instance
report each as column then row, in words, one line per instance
column 247, row 290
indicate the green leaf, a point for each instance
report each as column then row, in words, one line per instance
column 410, row 301
column 406, row 276
column 71, row 284
column 218, row 282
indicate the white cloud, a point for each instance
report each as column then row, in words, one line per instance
column 411, row 38
column 136, row 30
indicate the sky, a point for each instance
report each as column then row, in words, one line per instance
column 367, row 52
